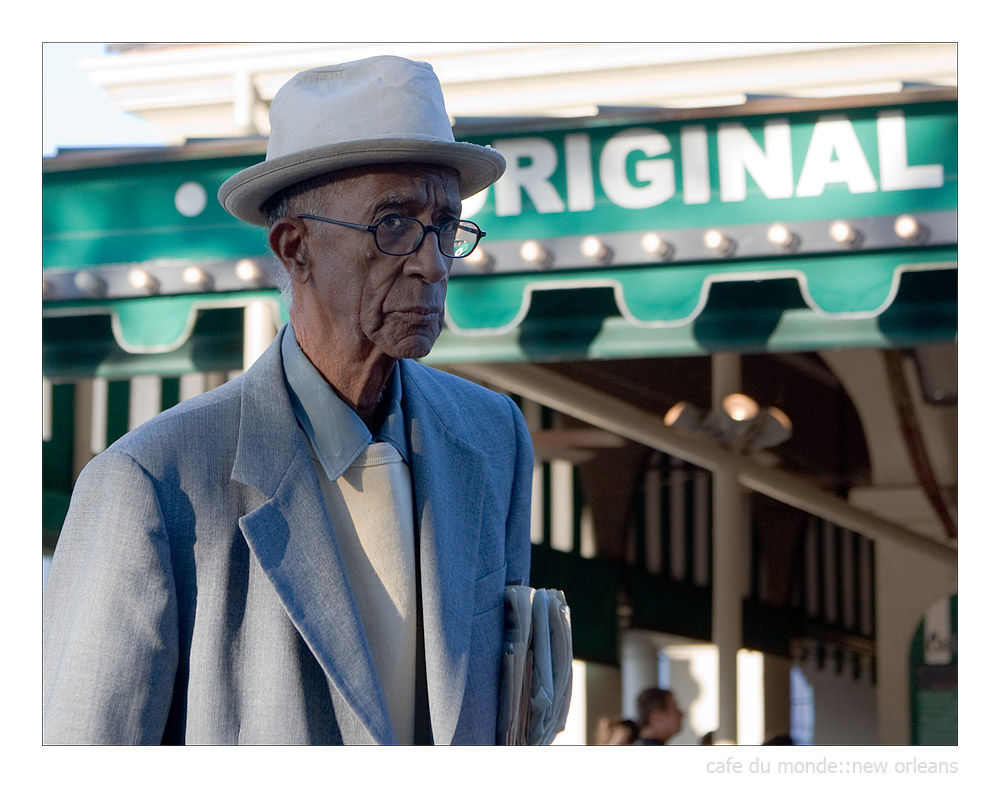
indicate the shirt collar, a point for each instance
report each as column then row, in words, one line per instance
column 336, row 433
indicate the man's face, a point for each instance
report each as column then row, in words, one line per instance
column 394, row 304
column 667, row 720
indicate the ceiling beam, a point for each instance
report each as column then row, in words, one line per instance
column 615, row 415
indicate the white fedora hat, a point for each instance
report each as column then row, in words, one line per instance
column 381, row 110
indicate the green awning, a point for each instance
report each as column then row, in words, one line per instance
column 855, row 286
column 769, row 315
column 644, row 191
column 749, row 316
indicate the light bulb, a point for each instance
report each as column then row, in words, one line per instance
column 683, row 416
column 90, row 283
column 843, row 233
column 781, row 417
column 247, row 271
column 595, row 249
column 534, row 252
column 674, row 413
column 780, row 236
column 196, row 277
column 717, row 242
column 655, row 245
column 908, row 228
column 141, row 279
column 740, row 407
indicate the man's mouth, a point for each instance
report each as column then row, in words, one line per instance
column 420, row 313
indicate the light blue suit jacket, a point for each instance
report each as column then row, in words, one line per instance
column 197, row 593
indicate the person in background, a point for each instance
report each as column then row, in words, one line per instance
column 660, row 718
column 618, row 732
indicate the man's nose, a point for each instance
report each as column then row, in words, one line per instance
column 428, row 262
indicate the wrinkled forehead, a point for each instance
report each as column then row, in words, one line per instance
column 408, row 185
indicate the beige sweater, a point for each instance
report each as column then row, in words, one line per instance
column 371, row 506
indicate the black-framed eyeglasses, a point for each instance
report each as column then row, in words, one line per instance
column 402, row 235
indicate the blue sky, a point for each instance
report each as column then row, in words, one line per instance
column 75, row 112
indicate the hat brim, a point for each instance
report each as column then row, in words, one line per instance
column 244, row 193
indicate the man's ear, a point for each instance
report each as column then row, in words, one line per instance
column 287, row 240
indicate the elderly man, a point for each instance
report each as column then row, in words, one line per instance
column 317, row 551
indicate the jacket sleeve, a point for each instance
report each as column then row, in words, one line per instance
column 109, row 613
column 518, row 547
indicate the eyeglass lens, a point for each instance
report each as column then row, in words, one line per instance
column 398, row 235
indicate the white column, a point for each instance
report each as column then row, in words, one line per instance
column 214, row 380
column 639, row 660
column 537, row 504
column 46, row 409
column 907, row 584
column 575, row 731
column 90, row 420
column 258, row 330
column 694, row 671
column 192, row 384
column 533, row 419
column 730, row 545
column 751, row 694
column 727, row 599
column 144, row 397
column 83, row 412
column 588, row 533
column 99, row 415
column 777, row 696
column 561, row 472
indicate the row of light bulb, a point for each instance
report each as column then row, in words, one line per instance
column 142, row 280
column 906, row 227
column 593, row 248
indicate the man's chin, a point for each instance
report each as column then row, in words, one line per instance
column 419, row 353
column 412, row 347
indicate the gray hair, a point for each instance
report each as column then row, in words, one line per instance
column 302, row 197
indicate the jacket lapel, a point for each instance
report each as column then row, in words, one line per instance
column 292, row 539
column 448, row 476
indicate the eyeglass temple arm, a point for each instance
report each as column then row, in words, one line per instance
column 369, row 227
